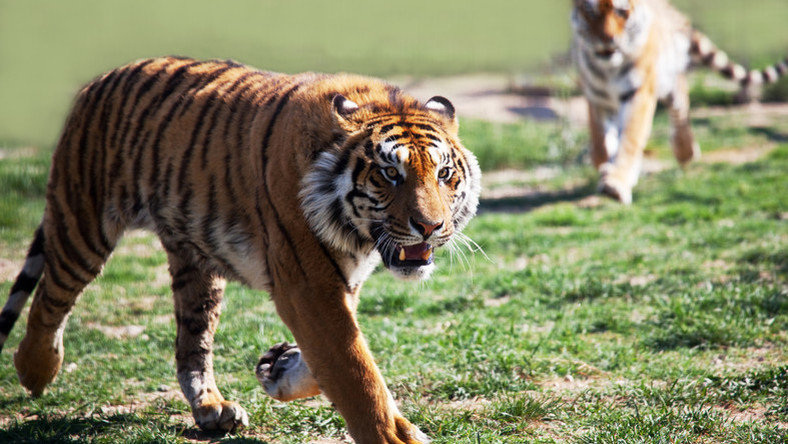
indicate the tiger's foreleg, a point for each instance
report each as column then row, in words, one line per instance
column 198, row 297
column 685, row 149
column 621, row 172
column 328, row 335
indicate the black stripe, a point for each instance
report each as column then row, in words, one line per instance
column 88, row 153
column 37, row 247
column 208, row 232
column 174, row 81
column 592, row 67
column 266, row 139
column 627, row 96
column 386, row 128
column 172, row 85
column 53, row 274
column 207, row 106
column 63, row 237
column 122, row 115
column 155, row 101
column 230, row 95
column 358, row 169
column 25, row 283
column 7, row 320
column 342, row 162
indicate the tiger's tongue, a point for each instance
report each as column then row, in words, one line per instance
column 419, row 252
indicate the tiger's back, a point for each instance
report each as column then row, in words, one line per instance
column 168, row 143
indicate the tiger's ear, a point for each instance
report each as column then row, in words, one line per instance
column 443, row 106
column 343, row 110
column 342, row 106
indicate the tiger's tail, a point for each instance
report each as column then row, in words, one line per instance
column 23, row 286
column 703, row 51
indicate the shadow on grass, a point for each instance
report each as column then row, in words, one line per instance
column 532, row 200
column 770, row 133
column 129, row 427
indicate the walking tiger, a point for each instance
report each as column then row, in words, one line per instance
column 630, row 54
column 294, row 184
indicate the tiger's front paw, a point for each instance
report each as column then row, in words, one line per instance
column 409, row 433
column 284, row 374
column 616, row 189
column 223, row 416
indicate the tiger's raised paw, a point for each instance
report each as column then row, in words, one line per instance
column 284, row 374
column 222, row 417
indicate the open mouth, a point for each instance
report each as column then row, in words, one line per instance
column 606, row 53
column 400, row 256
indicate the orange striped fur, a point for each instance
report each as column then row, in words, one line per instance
column 293, row 184
column 631, row 54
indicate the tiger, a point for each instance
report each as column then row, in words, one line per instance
column 632, row 54
column 294, row 184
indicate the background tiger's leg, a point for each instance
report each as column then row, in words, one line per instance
column 70, row 264
column 685, row 148
column 596, row 129
column 325, row 327
column 636, row 116
column 198, row 297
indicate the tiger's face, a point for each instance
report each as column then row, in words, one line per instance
column 400, row 183
column 608, row 27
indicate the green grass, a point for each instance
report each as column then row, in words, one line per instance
column 663, row 322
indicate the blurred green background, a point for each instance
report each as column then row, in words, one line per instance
column 49, row 48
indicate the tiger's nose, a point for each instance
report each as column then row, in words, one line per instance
column 425, row 228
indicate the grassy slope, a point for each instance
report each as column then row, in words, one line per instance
column 48, row 48
column 668, row 318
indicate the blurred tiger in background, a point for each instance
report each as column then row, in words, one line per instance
column 294, row 184
column 631, row 54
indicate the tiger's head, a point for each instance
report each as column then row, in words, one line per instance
column 396, row 180
column 609, row 28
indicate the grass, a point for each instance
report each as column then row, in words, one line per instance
column 586, row 322
column 663, row 322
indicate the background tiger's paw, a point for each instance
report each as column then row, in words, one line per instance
column 284, row 374
column 223, row 417
column 685, row 149
column 615, row 189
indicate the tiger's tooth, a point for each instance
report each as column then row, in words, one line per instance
column 402, row 254
column 426, row 255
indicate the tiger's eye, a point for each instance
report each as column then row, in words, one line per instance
column 623, row 13
column 444, row 173
column 391, row 174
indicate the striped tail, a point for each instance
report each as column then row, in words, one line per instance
column 703, row 51
column 24, row 286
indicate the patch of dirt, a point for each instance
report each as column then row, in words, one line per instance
column 494, row 98
column 490, row 97
column 9, row 269
column 118, row 332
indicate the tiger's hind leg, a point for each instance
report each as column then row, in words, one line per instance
column 685, row 148
column 71, row 261
column 198, row 297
